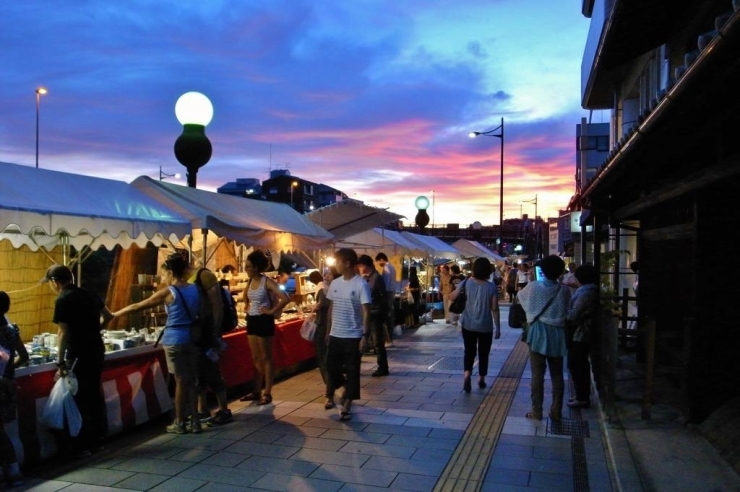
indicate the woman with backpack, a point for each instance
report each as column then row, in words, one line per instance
column 182, row 302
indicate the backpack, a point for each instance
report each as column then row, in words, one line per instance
column 229, row 320
column 379, row 296
column 205, row 314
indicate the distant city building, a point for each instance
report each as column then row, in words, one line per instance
column 303, row 195
column 249, row 187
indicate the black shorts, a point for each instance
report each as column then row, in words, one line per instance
column 262, row 325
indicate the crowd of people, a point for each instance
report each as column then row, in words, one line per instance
column 354, row 310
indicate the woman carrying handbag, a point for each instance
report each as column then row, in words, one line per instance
column 477, row 320
column 546, row 305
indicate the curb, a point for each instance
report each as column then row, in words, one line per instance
column 622, row 466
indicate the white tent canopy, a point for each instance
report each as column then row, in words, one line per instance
column 376, row 240
column 253, row 222
column 41, row 208
column 475, row 249
column 434, row 246
column 399, row 243
column 349, row 217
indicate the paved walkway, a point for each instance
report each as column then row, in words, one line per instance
column 414, row 430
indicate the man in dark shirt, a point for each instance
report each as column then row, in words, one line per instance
column 378, row 311
column 78, row 313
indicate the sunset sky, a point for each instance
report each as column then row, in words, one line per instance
column 374, row 97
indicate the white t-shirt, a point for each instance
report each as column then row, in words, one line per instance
column 347, row 298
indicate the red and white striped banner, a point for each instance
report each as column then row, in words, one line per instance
column 135, row 391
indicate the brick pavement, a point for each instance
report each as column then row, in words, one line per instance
column 414, row 430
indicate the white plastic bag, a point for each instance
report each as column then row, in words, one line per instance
column 61, row 405
column 308, row 329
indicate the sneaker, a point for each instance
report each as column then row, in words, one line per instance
column 176, row 428
column 222, row 417
column 203, row 417
column 194, row 426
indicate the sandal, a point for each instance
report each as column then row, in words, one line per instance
column 329, row 404
column 533, row 416
column 345, row 416
column 250, row 397
column 265, row 400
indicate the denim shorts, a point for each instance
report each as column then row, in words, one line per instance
column 182, row 360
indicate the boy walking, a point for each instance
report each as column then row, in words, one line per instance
column 347, row 329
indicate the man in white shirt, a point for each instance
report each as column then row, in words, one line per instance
column 347, row 330
column 388, row 272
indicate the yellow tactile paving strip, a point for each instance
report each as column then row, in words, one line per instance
column 467, row 468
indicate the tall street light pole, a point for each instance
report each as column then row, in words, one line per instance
column 492, row 133
column 292, row 186
column 39, row 92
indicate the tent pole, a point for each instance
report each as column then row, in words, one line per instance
column 205, row 246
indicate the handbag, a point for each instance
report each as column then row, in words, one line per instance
column 458, row 305
column 517, row 316
column 525, row 327
column 308, row 329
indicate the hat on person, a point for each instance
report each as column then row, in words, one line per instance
column 60, row 273
column 365, row 260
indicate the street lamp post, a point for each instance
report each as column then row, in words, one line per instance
column 536, row 227
column 39, row 92
column 192, row 148
column 292, row 187
column 492, row 133
column 534, row 200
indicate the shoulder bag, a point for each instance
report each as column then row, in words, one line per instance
column 458, row 305
column 517, row 316
column 525, row 330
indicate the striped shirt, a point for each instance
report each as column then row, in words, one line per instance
column 259, row 297
column 347, row 298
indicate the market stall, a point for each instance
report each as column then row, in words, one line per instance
column 51, row 217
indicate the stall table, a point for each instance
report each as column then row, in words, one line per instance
column 135, row 385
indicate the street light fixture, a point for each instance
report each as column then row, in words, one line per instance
column 39, row 92
column 422, row 217
column 192, row 148
column 492, row 133
column 164, row 175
